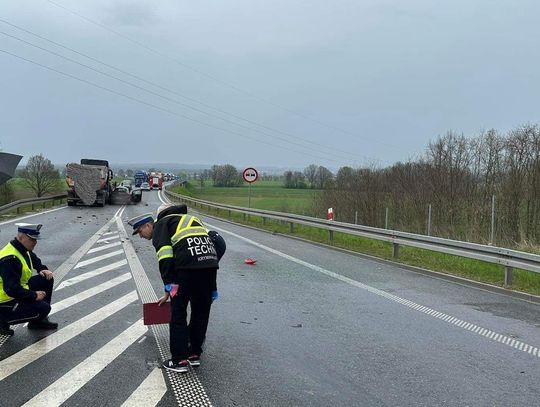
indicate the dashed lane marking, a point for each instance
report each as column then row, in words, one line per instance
column 534, row 351
column 72, row 381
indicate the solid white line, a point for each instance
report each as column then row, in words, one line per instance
column 91, row 273
column 29, row 216
column 104, row 247
column 465, row 325
column 17, row 361
column 109, row 233
column 150, row 392
column 72, row 381
column 98, row 258
column 83, row 295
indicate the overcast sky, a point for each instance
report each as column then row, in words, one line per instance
column 262, row 83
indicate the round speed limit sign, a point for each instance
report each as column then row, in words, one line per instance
column 250, row 175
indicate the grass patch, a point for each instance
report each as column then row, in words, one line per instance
column 268, row 195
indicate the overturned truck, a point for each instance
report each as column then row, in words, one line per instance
column 90, row 183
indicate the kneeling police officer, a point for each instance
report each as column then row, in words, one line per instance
column 23, row 297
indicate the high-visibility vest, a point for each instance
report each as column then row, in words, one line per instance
column 10, row 250
column 188, row 226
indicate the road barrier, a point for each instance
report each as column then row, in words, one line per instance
column 508, row 258
column 31, row 201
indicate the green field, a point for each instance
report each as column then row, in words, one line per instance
column 272, row 196
column 269, row 195
column 21, row 190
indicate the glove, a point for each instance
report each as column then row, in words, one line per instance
column 172, row 289
column 215, row 295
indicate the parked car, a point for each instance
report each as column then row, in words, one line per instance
column 145, row 186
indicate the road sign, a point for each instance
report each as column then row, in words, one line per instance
column 250, row 175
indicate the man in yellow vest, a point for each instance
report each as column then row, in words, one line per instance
column 188, row 263
column 24, row 297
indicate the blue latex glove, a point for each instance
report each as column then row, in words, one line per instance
column 215, row 296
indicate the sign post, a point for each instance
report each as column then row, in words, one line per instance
column 250, row 175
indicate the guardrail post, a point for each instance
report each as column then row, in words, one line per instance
column 331, row 235
column 33, row 207
column 508, row 276
column 395, row 250
column 43, row 205
column 292, row 227
column 244, row 216
column 229, row 213
column 264, row 221
column 18, row 210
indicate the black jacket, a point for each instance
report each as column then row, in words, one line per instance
column 186, row 260
column 11, row 271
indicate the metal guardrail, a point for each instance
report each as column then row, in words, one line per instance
column 31, row 201
column 508, row 258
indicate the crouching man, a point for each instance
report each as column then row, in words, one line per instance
column 23, row 297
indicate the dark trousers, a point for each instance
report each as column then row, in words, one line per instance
column 16, row 312
column 186, row 340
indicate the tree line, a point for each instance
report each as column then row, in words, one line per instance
column 458, row 177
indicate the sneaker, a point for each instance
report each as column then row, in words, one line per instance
column 194, row 360
column 180, row 367
column 6, row 330
column 43, row 324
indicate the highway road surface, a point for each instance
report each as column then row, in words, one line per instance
column 304, row 326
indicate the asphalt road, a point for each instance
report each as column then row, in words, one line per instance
column 305, row 326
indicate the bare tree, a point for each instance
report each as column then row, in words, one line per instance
column 310, row 173
column 40, row 175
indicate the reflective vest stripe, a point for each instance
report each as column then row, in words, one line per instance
column 194, row 231
column 185, row 229
column 10, row 250
column 166, row 252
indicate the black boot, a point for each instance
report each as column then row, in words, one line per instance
column 42, row 324
column 5, row 329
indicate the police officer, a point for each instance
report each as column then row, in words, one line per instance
column 188, row 263
column 24, row 297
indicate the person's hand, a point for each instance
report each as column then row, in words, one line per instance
column 164, row 299
column 47, row 274
column 40, row 295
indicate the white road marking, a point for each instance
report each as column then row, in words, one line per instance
column 17, row 361
column 150, row 391
column 83, row 295
column 91, row 273
column 66, row 266
column 108, row 239
column 29, row 216
column 72, row 381
column 457, row 322
column 104, row 247
column 98, row 258
column 109, row 233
